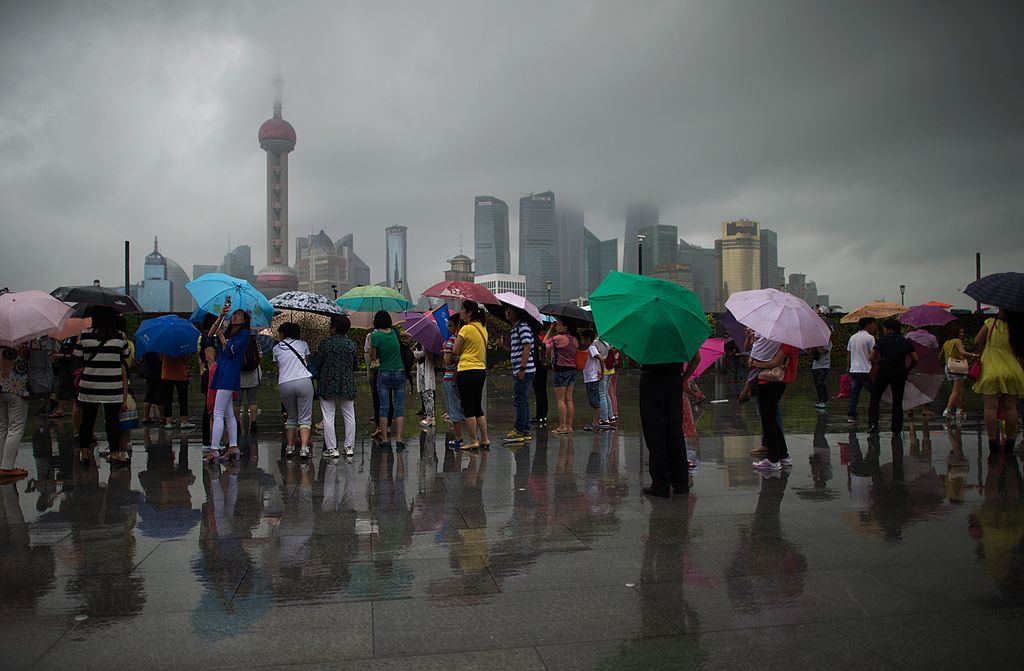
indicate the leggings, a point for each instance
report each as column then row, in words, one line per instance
column 224, row 413
column 427, row 397
column 328, row 408
column 111, row 420
column 471, row 391
column 170, row 386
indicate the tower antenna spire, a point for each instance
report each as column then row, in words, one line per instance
column 278, row 81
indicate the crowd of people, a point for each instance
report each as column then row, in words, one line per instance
column 92, row 371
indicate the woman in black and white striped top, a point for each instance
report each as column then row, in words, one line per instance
column 101, row 353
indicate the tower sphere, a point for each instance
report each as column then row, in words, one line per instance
column 277, row 135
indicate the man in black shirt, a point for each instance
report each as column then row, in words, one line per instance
column 892, row 352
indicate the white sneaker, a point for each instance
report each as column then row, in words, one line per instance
column 946, row 414
column 187, row 425
column 960, row 416
column 168, row 425
column 786, row 461
column 349, row 452
column 304, row 453
column 289, row 452
column 765, row 465
column 332, row 453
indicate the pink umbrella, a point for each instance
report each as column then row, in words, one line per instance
column 462, row 291
column 25, row 315
column 72, row 328
column 711, row 351
column 516, row 301
column 426, row 333
column 924, row 381
column 926, row 315
column 779, row 316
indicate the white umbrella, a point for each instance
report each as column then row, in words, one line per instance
column 780, row 317
column 25, row 315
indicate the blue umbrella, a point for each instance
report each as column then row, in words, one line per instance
column 212, row 289
column 1003, row 290
column 169, row 335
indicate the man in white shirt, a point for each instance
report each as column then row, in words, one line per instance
column 859, row 353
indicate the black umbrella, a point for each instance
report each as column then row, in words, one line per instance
column 96, row 295
column 1003, row 290
column 571, row 314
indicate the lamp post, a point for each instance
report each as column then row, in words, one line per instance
column 640, row 253
column 548, row 285
column 335, row 288
column 398, row 286
column 903, row 291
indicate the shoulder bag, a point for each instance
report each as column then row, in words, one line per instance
column 776, row 374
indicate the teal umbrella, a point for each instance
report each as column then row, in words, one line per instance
column 212, row 289
column 372, row 299
column 649, row 320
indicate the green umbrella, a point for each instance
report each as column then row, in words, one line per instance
column 649, row 320
column 372, row 299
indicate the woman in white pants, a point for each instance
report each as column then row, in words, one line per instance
column 335, row 363
column 13, row 408
column 227, row 380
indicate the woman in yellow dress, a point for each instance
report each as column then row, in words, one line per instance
column 1002, row 378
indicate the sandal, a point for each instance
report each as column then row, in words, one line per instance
column 84, row 456
column 56, row 415
column 232, row 453
column 212, row 457
column 469, row 446
column 119, row 458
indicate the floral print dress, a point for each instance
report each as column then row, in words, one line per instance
column 335, row 363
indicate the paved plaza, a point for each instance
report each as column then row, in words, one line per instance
column 869, row 553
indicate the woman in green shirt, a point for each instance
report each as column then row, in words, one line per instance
column 386, row 356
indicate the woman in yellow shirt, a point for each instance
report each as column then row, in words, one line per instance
column 471, row 348
column 954, row 349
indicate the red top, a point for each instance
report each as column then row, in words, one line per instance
column 792, row 360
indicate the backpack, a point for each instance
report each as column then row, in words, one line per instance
column 40, row 373
column 251, row 359
column 408, row 360
column 611, row 362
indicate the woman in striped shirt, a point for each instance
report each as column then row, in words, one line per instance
column 101, row 353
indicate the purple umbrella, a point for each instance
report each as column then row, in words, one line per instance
column 426, row 333
column 736, row 330
column 926, row 315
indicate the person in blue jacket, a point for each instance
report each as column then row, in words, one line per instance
column 227, row 379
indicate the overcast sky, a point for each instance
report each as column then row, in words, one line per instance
column 883, row 141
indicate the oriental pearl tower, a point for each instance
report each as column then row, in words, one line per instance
column 277, row 138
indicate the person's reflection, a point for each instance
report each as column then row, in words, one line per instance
column 920, row 449
column 389, row 508
column 469, row 554
column 821, row 464
column 47, row 466
column 957, row 466
column 568, row 501
column 765, row 568
column 861, row 473
column 26, row 570
column 892, row 506
column 998, row 526
column 334, row 542
column 103, row 544
column 223, row 561
column 167, row 512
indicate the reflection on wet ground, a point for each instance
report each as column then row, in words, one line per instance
column 870, row 552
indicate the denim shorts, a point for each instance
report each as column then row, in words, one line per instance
column 594, row 394
column 566, row 379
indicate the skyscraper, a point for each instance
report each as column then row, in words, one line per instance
column 570, row 252
column 701, row 261
column 357, row 272
column 277, row 138
column 163, row 285
column 490, row 236
column 321, row 269
column 238, row 263
column 395, row 250
column 538, row 247
column 637, row 216
column 770, row 276
column 661, row 246
column 741, row 257
column 600, row 257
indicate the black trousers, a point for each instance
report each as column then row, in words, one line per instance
column 820, row 375
column 888, row 377
column 661, row 417
column 111, row 421
column 768, row 397
column 170, row 386
column 540, row 392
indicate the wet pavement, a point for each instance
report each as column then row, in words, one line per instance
column 869, row 553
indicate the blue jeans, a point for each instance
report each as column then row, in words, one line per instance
column 860, row 381
column 521, row 401
column 391, row 380
column 606, row 399
column 453, row 402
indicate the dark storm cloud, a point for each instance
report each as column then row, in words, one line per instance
column 882, row 141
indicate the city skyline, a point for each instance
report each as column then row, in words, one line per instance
column 865, row 162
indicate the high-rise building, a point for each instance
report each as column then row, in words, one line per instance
column 702, row 263
column 461, row 269
column 538, row 247
column 811, row 293
column 238, row 263
column 277, row 138
column 770, row 276
column 660, row 245
column 638, row 216
column 797, row 285
column 200, row 269
column 163, row 284
column 357, row 272
column 741, row 257
column 824, row 300
column 321, row 269
column 677, row 273
column 600, row 257
column 490, row 236
column 570, row 252
column 395, row 251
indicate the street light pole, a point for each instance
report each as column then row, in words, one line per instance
column 548, row 285
column 335, row 288
column 640, row 253
column 903, row 290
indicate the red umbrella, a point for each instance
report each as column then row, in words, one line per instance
column 462, row 291
column 939, row 304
